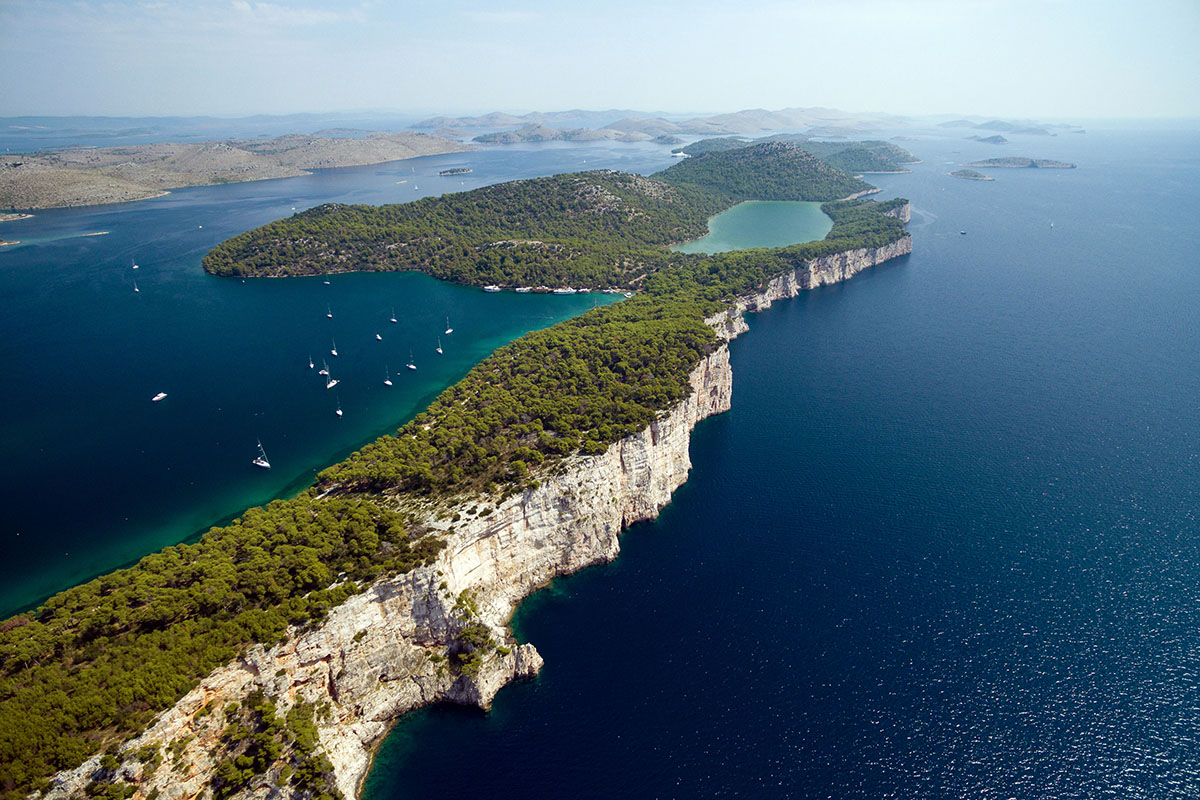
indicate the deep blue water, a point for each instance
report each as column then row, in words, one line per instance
column 94, row 475
column 945, row 545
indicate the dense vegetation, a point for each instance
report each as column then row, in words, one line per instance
column 96, row 662
column 766, row 171
column 589, row 229
column 851, row 157
column 93, row 665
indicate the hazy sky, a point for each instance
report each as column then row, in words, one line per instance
column 1035, row 58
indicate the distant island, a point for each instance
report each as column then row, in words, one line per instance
column 13, row 217
column 580, row 125
column 1021, row 162
column 455, row 171
column 997, row 139
column 969, row 175
column 864, row 157
column 94, row 176
column 535, row 132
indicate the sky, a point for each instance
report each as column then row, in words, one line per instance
column 1046, row 59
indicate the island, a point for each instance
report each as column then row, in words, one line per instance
column 996, row 139
column 969, row 175
column 861, row 157
column 119, row 174
column 1021, row 162
column 456, row 171
column 13, row 217
column 271, row 656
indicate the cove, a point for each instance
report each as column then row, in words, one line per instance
column 761, row 223
column 96, row 475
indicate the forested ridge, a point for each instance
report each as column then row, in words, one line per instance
column 92, row 666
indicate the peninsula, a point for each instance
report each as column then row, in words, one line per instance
column 271, row 656
column 119, row 174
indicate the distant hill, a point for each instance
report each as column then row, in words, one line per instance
column 755, row 120
column 765, row 171
column 997, row 139
column 850, row 157
column 116, row 174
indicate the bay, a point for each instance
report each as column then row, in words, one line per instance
column 96, row 475
column 944, row 545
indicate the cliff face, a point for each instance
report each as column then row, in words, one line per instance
column 383, row 652
column 824, row 270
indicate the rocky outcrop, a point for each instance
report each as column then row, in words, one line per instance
column 384, row 651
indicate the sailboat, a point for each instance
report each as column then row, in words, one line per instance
column 310, row 361
column 135, row 288
column 261, row 461
column 135, row 264
column 410, row 363
column 439, row 347
column 324, row 368
column 378, row 338
column 449, row 330
column 387, row 376
column 330, row 381
column 328, row 312
column 393, row 315
column 339, row 407
column 333, row 349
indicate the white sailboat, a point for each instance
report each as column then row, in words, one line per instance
column 261, row 461
column 393, row 320
column 378, row 338
column 324, row 370
column 387, row 376
column 330, row 381
column 328, row 312
column 333, row 349
column 439, row 347
column 449, row 330
column 339, row 407
column 135, row 288
column 310, row 362
column 135, row 264
column 410, row 363
column 157, row 397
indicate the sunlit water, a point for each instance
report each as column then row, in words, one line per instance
column 761, row 224
column 96, row 475
column 945, row 545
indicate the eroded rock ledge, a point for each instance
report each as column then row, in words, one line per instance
column 381, row 654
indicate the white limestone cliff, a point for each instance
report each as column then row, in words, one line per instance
column 381, row 653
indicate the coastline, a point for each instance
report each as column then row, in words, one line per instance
column 373, row 659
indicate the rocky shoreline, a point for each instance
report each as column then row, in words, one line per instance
column 383, row 652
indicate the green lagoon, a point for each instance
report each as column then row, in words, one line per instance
column 761, row 224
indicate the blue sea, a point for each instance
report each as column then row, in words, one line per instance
column 96, row 475
column 945, row 545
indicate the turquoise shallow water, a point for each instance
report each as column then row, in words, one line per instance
column 761, row 224
column 96, row 475
column 945, row 545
